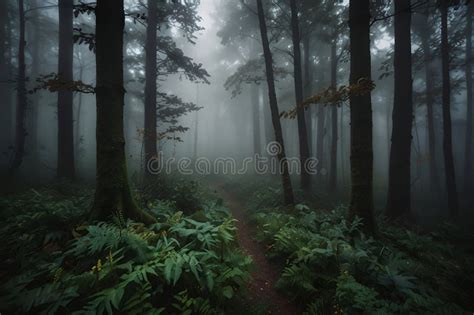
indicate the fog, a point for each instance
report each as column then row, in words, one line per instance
column 234, row 101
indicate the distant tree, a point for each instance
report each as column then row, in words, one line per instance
column 150, row 133
column 286, row 181
column 22, row 101
column 113, row 193
column 34, row 28
column 239, row 30
column 425, row 30
column 361, row 115
column 468, row 181
column 5, row 86
column 399, row 187
column 66, row 163
column 334, row 124
column 299, row 95
column 450, row 176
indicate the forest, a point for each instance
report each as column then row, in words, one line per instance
column 236, row 157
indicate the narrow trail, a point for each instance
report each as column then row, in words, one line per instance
column 264, row 276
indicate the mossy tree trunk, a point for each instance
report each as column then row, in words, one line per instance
column 112, row 188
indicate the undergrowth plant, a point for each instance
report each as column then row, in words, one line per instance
column 184, row 264
column 333, row 268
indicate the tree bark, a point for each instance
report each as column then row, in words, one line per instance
column 113, row 193
column 468, row 186
column 300, row 112
column 453, row 202
column 22, row 101
column 151, row 150
column 334, row 120
column 399, row 186
column 286, row 181
column 66, row 167
column 361, row 116
column 425, row 43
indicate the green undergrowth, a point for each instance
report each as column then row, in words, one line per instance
column 329, row 265
column 53, row 262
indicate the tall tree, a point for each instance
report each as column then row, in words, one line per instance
column 469, row 115
column 450, row 176
column 66, row 168
column 5, row 88
column 150, row 133
column 429, row 92
column 255, row 103
column 308, row 88
column 112, row 188
column 334, row 120
column 399, row 182
column 361, row 115
column 275, row 115
column 33, row 36
column 298, row 79
column 22, row 101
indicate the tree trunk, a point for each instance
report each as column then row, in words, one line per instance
column 334, row 120
column 5, row 87
column 468, row 147
column 308, row 89
column 286, row 181
column 361, row 116
column 257, row 146
column 399, row 179
column 22, row 101
column 151, row 150
column 36, row 61
column 77, row 132
column 320, row 140
column 113, row 195
column 453, row 202
column 425, row 43
column 196, row 126
column 298, row 74
column 66, row 168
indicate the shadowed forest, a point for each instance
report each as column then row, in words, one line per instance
column 236, row 157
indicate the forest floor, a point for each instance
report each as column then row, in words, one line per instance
column 262, row 289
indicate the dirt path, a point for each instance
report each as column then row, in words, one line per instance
column 262, row 288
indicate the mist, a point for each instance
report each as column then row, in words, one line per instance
column 278, row 138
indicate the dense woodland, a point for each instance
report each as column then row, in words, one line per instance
column 236, row 157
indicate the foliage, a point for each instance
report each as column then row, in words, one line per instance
column 187, row 195
column 177, row 266
column 333, row 96
column 333, row 267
